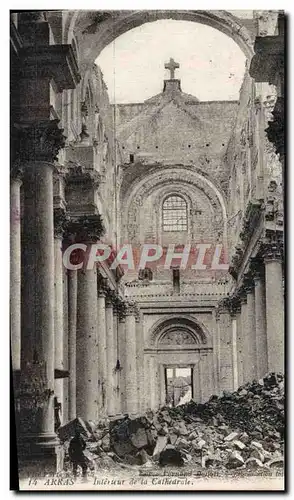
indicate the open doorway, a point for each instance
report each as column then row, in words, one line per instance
column 178, row 385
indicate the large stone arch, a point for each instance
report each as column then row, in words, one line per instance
column 140, row 188
column 96, row 29
column 191, row 332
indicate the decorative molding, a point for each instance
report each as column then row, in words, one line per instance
column 176, row 338
column 179, row 324
column 55, row 62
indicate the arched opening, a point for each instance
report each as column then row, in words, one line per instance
column 181, row 348
column 104, row 27
column 174, row 214
column 209, row 64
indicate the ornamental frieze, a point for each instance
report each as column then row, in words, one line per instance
column 177, row 338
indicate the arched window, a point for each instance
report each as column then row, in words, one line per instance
column 174, row 214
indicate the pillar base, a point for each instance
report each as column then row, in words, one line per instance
column 39, row 455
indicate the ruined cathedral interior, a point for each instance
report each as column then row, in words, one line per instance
column 171, row 170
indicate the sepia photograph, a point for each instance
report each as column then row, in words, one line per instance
column 147, row 269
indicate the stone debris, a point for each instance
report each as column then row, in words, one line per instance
column 160, row 445
column 237, row 430
column 67, row 431
column 231, row 436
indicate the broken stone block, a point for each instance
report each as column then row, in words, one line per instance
column 144, row 457
column 253, row 463
column 243, row 393
column 232, row 436
column 235, row 460
column 160, row 446
column 209, row 461
column 198, row 444
column 171, row 456
column 163, row 431
column 239, row 444
column 127, row 436
column 165, row 417
column 193, row 436
column 182, row 443
column 256, row 444
column 131, row 460
column 172, row 438
column 105, row 445
column 114, row 457
column 276, row 463
column 244, row 438
column 257, row 454
column 68, row 430
column 181, row 429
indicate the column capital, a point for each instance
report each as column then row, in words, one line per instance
column 242, row 295
column 257, row 268
column 85, row 228
column 16, row 171
column 131, row 308
column 271, row 247
column 248, row 282
column 110, row 298
column 229, row 305
column 119, row 307
column 77, row 174
column 39, row 141
column 61, row 220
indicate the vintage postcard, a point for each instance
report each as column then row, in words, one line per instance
column 147, row 249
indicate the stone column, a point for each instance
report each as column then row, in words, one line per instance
column 102, row 360
column 111, row 361
column 37, row 342
column 234, row 352
column 274, row 309
column 260, row 323
column 65, row 403
column 225, row 328
column 244, row 327
column 147, row 377
column 72, row 347
column 206, row 374
column 153, row 383
column 140, row 363
column 239, row 346
column 131, row 364
column 122, row 360
column 196, row 380
column 59, row 219
column 15, row 268
column 116, row 367
column 251, row 361
column 87, row 345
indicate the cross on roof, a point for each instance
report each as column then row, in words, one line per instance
column 172, row 65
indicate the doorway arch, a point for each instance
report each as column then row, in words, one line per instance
column 180, row 341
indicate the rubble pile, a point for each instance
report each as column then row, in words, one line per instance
column 239, row 430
